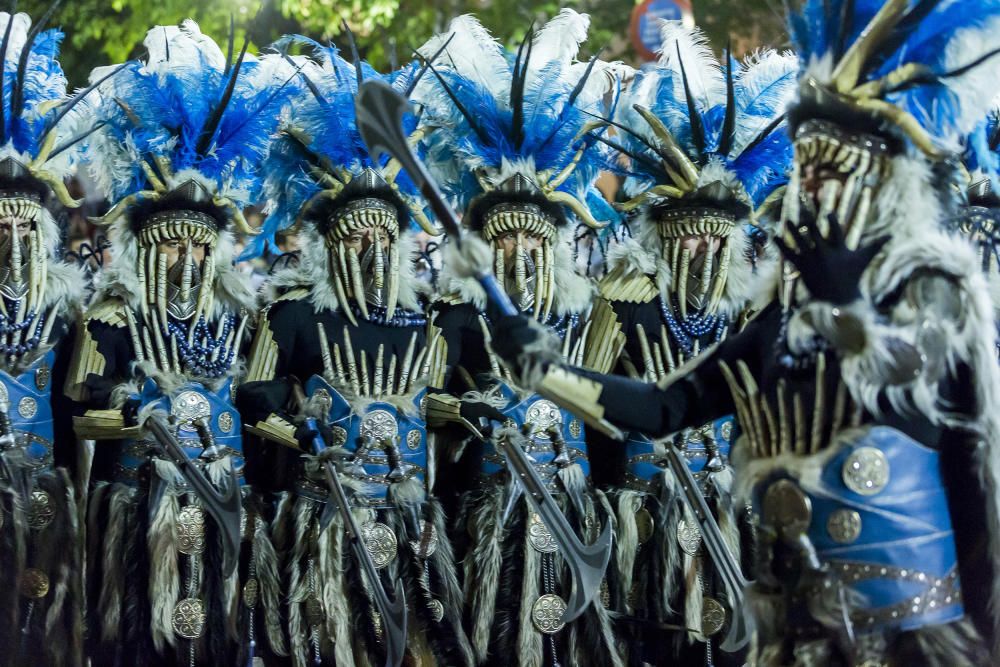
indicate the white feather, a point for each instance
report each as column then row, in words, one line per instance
column 708, row 86
column 758, row 75
column 560, row 39
column 472, row 52
column 976, row 88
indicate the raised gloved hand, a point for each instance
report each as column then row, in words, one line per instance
column 523, row 343
column 829, row 269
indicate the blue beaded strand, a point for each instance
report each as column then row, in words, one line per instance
column 197, row 358
column 693, row 326
column 8, row 327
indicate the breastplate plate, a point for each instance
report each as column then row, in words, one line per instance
column 28, row 397
column 552, row 431
column 381, row 445
column 876, row 512
column 644, row 464
column 188, row 404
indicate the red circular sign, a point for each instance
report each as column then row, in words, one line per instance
column 644, row 26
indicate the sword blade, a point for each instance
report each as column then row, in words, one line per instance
column 587, row 563
column 393, row 612
column 223, row 506
column 738, row 634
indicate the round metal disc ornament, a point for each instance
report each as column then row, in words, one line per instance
column 713, row 616
column 547, row 614
column 34, row 584
column 188, row 619
column 428, row 543
column 539, row 537
column 380, row 542
column 644, row 525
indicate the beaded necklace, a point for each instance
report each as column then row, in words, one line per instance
column 692, row 327
column 208, row 355
column 401, row 318
column 11, row 331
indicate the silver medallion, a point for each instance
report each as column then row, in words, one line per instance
column 643, row 525
column 425, row 547
column 787, row 509
column 191, row 530
column 42, row 377
column 226, row 422
column 539, row 537
column 575, row 429
column 844, row 526
column 379, row 425
column 380, row 543
column 866, row 471
column 27, row 407
column 251, row 592
column 726, row 430
column 547, row 614
column 689, row 537
column 436, row 609
column 541, row 416
column 413, row 439
column 4, row 396
column 338, row 436
column 34, row 583
column 41, row 510
column 189, row 406
column 188, row 619
column 713, row 616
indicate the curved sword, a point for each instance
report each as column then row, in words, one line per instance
column 224, row 507
column 393, row 612
column 587, row 563
column 741, row 623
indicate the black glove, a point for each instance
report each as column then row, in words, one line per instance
column 305, row 435
column 130, row 411
column 513, row 334
column 829, row 269
column 472, row 411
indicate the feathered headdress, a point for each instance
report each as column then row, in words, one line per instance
column 319, row 170
column 522, row 122
column 189, row 124
column 319, row 158
column 904, row 69
column 701, row 134
column 37, row 144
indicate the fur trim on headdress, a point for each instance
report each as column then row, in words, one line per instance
column 573, row 293
column 313, row 272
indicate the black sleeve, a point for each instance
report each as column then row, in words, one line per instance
column 694, row 399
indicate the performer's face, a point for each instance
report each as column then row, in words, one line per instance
column 23, row 226
column 814, row 176
column 699, row 245
column 361, row 240
column 176, row 249
column 512, row 242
